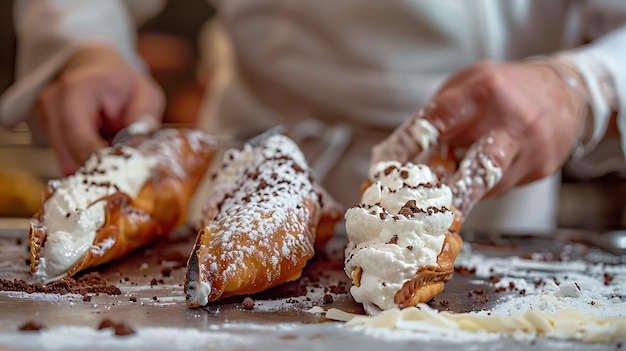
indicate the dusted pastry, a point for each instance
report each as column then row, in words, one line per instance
column 123, row 197
column 402, row 238
column 260, row 222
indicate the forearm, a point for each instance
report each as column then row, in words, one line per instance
column 601, row 67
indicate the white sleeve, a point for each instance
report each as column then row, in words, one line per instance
column 50, row 31
column 601, row 64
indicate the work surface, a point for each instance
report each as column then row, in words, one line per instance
column 152, row 302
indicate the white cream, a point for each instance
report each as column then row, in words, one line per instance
column 424, row 133
column 74, row 212
column 390, row 247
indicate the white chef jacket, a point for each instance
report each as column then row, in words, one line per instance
column 357, row 67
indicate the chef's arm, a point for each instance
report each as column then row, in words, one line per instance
column 50, row 32
column 601, row 66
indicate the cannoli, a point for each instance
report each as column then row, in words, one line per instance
column 260, row 222
column 402, row 238
column 123, row 197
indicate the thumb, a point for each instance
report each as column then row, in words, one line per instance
column 146, row 107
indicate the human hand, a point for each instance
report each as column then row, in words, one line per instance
column 519, row 120
column 96, row 94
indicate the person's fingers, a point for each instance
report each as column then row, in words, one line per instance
column 482, row 169
column 147, row 104
column 413, row 137
column 48, row 114
column 80, row 111
column 451, row 116
column 452, row 112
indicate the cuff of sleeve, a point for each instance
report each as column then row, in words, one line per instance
column 597, row 81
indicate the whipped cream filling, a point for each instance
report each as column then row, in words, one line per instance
column 424, row 133
column 76, row 209
column 390, row 240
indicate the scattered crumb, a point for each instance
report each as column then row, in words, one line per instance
column 31, row 326
column 248, row 304
column 328, row 298
column 120, row 329
column 92, row 283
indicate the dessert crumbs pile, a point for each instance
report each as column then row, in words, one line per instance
column 89, row 283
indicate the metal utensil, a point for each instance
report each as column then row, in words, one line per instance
column 613, row 241
column 258, row 139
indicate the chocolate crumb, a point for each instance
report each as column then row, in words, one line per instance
column 90, row 283
column 393, row 240
column 155, row 298
column 153, row 282
column 87, row 298
column 133, row 299
column 248, row 304
column 120, row 329
column 607, row 279
column 522, row 292
column 577, row 286
column 389, row 169
column 166, row 271
column 123, row 330
column 106, row 323
column 339, row 289
column 328, row 298
column 444, row 302
column 31, row 326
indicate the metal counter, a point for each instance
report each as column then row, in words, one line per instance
column 153, row 304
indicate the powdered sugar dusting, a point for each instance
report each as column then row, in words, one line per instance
column 259, row 193
column 477, row 174
column 564, row 300
column 168, row 147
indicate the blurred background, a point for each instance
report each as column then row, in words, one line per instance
column 168, row 43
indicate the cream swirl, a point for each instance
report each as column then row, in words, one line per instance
column 399, row 227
